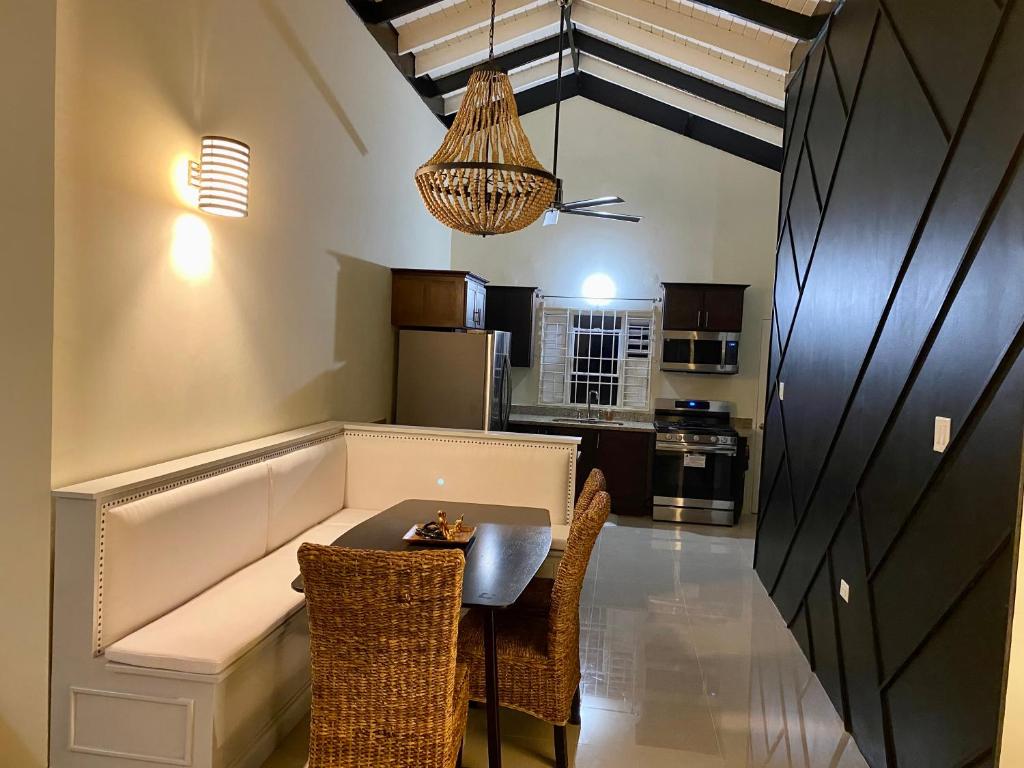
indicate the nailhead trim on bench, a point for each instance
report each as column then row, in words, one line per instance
column 470, row 441
column 98, row 647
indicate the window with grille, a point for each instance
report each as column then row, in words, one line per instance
column 607, row 352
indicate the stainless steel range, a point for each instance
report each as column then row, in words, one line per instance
column 699, row 462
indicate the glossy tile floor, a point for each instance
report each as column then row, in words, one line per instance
column 686, row 664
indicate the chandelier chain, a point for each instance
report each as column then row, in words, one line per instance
column 494, row 8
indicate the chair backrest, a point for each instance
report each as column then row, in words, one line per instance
column 383, row 630
column 595, row 482
column 564, row 616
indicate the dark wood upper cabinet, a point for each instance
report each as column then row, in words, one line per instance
column 425, row 298
column 513, row 309
column 703, row 307
column 684, row 306
column 723, row 307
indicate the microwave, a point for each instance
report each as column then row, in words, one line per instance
column 700, row 352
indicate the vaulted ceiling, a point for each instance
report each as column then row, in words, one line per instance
column 713, row 70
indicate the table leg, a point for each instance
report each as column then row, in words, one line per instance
column 491, row 677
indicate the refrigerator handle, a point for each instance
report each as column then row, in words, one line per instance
column 506, row 392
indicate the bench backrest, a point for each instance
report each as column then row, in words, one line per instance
column 387, row 465
column 306, row 486
column 164, row 548
column 159, row 548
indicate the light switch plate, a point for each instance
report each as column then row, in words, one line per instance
column 844, row 590
column 782, row 390
column 942, row 429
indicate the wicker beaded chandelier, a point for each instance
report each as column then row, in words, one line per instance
column 485, row 179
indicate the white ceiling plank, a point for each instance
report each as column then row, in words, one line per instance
column 472, row 48
column 460, row 18
column 727, row 40
column 687, row 57
column 682, row 100
column 546, row 70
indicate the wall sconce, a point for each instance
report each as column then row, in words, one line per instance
column 222, row 176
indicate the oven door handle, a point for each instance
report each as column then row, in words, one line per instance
column 676, row 448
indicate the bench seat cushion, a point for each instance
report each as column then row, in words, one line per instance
column 216, row 628
column 350, row 517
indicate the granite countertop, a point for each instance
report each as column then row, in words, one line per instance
column 628, row 424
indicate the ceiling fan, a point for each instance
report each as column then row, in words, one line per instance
column 577, row 207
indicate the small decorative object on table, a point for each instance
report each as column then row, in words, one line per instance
column 441, row 532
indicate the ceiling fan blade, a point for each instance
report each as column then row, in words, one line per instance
column 606, row 215
column 550, row 217
column 609, row 200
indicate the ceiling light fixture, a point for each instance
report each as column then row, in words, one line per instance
column 598, row 288
column 485, row 179
column 222, row 176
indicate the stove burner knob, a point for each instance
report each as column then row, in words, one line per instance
column 714, row 438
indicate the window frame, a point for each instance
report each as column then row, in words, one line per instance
column 634, row 334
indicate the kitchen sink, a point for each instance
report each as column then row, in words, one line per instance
column 581, row 420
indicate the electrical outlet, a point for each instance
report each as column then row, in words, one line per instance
column 844, row 590
column 782, row 390
column 942, row 429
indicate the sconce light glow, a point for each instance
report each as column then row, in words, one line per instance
column 191, row 248
column 598, row 288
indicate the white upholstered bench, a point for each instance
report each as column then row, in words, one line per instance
column 177, row 639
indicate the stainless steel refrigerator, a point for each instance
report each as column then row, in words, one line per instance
column 454, row 379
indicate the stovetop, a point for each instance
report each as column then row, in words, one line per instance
column 694, row 421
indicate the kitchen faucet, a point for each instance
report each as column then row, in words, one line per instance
column 592, row 395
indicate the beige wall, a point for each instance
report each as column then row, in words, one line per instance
column 26, row 315
column 1011, row 732
column 289, row 324
column 709, row 217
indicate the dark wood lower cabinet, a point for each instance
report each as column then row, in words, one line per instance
column 625, row 457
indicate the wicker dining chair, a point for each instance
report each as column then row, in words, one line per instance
column 537, row 596
column 539, row 654
column 595, row 482
column 383, row 630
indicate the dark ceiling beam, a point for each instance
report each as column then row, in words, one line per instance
column 758, row 12
column 387, row 38
column 769, row 16
column 520, row 57
column 537, row 97
column 652, row 111
column 680, row 121
column 682, row 81
column 613, row 54
column 387, row 10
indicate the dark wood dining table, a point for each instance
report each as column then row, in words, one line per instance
column 510, row 545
